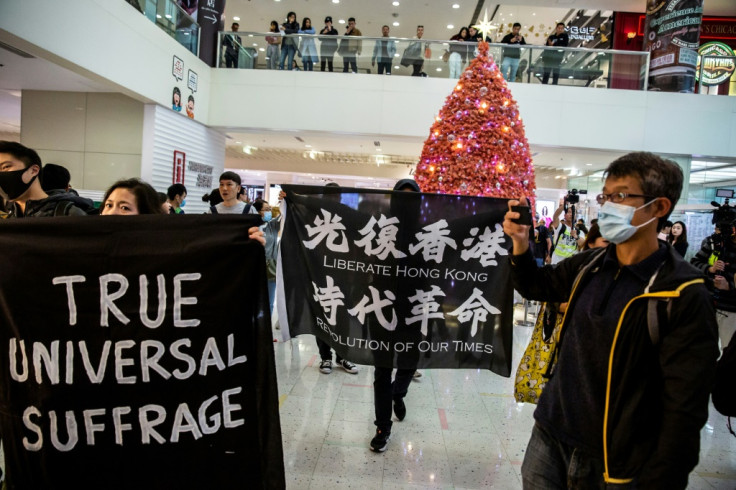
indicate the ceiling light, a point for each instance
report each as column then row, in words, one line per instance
column 439, row 69
column 341, row 21
column 396, row 24
column 450, row 26
column 307, row 146
column 255, row 44
column 261, row 49
column 396, row 67
column 168, row 16
column 236, row 18
column 455, row 6
column 589, row 164
column 158, row 16
column 335, row 1
column 396, row 4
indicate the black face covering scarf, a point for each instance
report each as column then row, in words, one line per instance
column 12, row 185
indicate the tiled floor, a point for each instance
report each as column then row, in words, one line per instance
column 463, row 429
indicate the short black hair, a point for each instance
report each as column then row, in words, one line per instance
column 258, row 204
column 561, row 24
column 146, row 197
column 231, row 176
column 659, row 177
column 516, row 24
column 190, row 98
column 351, row 19
column 235, row 24
column 176, row 190
column 55, row 177
column 213, row 198
column 26, row 155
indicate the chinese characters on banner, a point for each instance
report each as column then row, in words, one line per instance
column 128, row 364
column 398, row 278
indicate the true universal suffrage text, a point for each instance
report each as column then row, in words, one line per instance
column 128, row 362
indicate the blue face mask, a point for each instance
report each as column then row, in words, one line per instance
column 183, row 203
column 267, row 216
column 614, row 221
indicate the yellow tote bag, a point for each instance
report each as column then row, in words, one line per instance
column 536, row 363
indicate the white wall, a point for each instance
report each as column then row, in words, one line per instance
column 96, row 136
column 108, row 41
column 553, row 115
column 165, row 132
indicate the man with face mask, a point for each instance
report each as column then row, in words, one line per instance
column 20, row 173
column 176, row 195
column 625, row 402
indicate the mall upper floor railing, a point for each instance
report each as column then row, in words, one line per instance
column 432, row 58
column 172, row 19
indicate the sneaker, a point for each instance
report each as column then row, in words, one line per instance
column 400, row 408
column 417, row 374
column 348, row 366
column 325, row 367
column 380, row 441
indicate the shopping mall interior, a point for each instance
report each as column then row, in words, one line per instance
column 140, row 88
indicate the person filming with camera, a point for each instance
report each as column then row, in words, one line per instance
column 567, row 237
column 717, row 258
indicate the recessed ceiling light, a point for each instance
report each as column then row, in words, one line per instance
column 255, row 44
column 261, row 49
column 455, row 6
column 307, row 146
column 396, row 24
column 335, row 1
column 341, row 21
column 450, row 26
column 158, row 16
column 534, row 13
column 589, row 164
column 396, row 67
column 396, row 4
column 439, row 69
column 236, row 18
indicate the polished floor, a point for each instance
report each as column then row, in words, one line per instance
column 463, row 429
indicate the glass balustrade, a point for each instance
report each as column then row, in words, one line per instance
column 171, row 19
column 431, row 58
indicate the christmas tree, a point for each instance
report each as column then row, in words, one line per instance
column 477, row 144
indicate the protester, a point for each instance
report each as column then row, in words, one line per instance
column 130, row 197
column 271, row 228
column 177, row 197
column 624, row 405
column 20, row 184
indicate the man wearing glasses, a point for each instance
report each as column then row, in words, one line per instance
column 638, row 345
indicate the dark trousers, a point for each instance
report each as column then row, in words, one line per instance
column 384, row 65
column 231, row 60
column 550, row 463
column 417, row 68
column 325, row 352
column 349, row 63
column 328, row 62
column 554, row 70
column 386, row 391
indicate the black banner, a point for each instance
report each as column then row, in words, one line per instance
column 137, row 353
column 398, row 279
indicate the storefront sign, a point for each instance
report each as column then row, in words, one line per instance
column 716, row 70
column 204, row 174
column 582, row 33
column 671, row 35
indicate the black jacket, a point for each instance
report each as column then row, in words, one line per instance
column 656, row 395
column 61, row 204
column 706, row 256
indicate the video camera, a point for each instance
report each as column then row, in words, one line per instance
column 723, row 217
column 572, row 198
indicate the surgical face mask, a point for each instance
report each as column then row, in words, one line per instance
column 267, row 215
column 614, row 221
column 12, row 185
column 183, row 203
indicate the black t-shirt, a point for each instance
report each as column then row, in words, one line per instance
column 512, row 52
column 540, row 242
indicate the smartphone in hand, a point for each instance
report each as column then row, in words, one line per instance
column 525, row 215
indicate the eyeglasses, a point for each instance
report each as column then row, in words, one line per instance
column 617, row 197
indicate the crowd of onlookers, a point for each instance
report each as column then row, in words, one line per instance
column 285, row 46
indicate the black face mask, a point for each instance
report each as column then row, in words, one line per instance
column 12, row 185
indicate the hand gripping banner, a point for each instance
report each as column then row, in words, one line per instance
column 136, row 353
column 398, row 279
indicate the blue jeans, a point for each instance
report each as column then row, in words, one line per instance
column 540, row 262
column 271, row 293
column 552, row 464
column 289, row 51
column 509, row 65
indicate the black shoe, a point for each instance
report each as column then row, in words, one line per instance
column 380, row 441
column 400, row 408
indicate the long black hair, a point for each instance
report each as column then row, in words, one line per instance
column 146, row 197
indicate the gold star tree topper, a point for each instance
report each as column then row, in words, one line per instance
column 485, row 26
